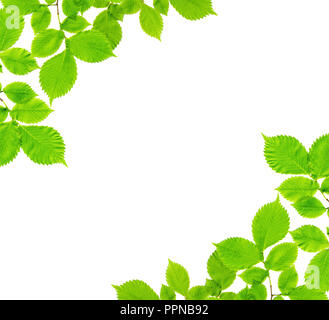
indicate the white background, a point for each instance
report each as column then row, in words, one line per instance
column 164, row 150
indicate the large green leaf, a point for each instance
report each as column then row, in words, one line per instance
column 238, row 253
column 319, row 157
column 178, row 278
column 19, row 92
column 135, row 290
column 303, row 293
column 193, row 9
column 47, row 42
column 41, row 19
column 9, row 142
column 296, row 188
column 285, row 154
column 281, row 257
column 319, row 270
column 151, row 21
column 309, row 207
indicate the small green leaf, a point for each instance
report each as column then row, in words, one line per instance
column 19, row 92
column 285, row 154
column 254, row 275
column 167, row 293
column 47, row 42
column 325, row 186
column 270, row 225
column 33, row 111
column 43, row 145
column 41, row 19
column 258, row 291
column 197, row 293
column 90, row 46
column 193, row 9
column 3, row 114
column 288, row 280
column 73, row 7
column 319, row 157
column 310, row 238
column 131, row 6
column 296, row 188
column 58, row 75
column 151, row 21
column 281, row 257
column 219, row 272
column 74, row 24
column 213, row 287
column 309, row 207
column 162, row 6
column 135, row 290
column 279, row 298
column 302, row 293
column 178, row 278
column 18, row 61
column 238, row 253
column 228, row 296
column 318, row 270
column 9, row 142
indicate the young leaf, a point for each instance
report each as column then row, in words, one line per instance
column 302, row 293
column 106, row 24
column 167, row 293
column 270, row 225
column 296, row 188
column 47, row 43
column 43, row 145
column 178, row 278
column 25, row 6
column 310, row 238
column 228, row 296
column 285, row 154
column 254, row 275
column 74, row 24
column 219, row 272
column 3, row 114
column 162, row 6
column 151, row 21
column 19, row 92
column 288, row 280
column 90, row 46
column 309, row 207
column 197, row 293
column 18, row 61
column 58, row 75
column 8, row 37
column 281, row 257
column 41, row 19
column 193, row 9
column 135, row 290
column 33, row 111
column 238, row 253
column 318, row 270
column 319, row 157
column 9, row 142
column 325, row 186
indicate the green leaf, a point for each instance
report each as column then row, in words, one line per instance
column 9, row 142
column 131, row 6
column 73, row 7
column 58, row 75
column 47, row 42
column 319, row 157
column 213, row 287
column 285, row 154
column 101, row 3
column 162, row 6
column 33, row 111
column 43, row 145
column 19, row 92
column 135, row 290
column 288, row 280
column 193, row 9
column 178, row 278
column 167, row 293
column 302, row 293
column 296, row 188
column 108, row 25
column 238, row 253
column 309, row 207
column 258, row 291
column 270, row 225
column 281, row 257
column 325, row 186
column 18, row 61
column 320, row 265
column 310, row 238
column 197, row 293
column 151, row 21
column 279, row 298
column 3, row 114
column 74, row 24
column 41, row 19
column 90, row 46
column 25, row 6
column 228, row 296
column 254, row 275
column 219, row 272
column 8, row 37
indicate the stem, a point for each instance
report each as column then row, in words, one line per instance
column 324, row 196
column 58, row 16
column 271, row 287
